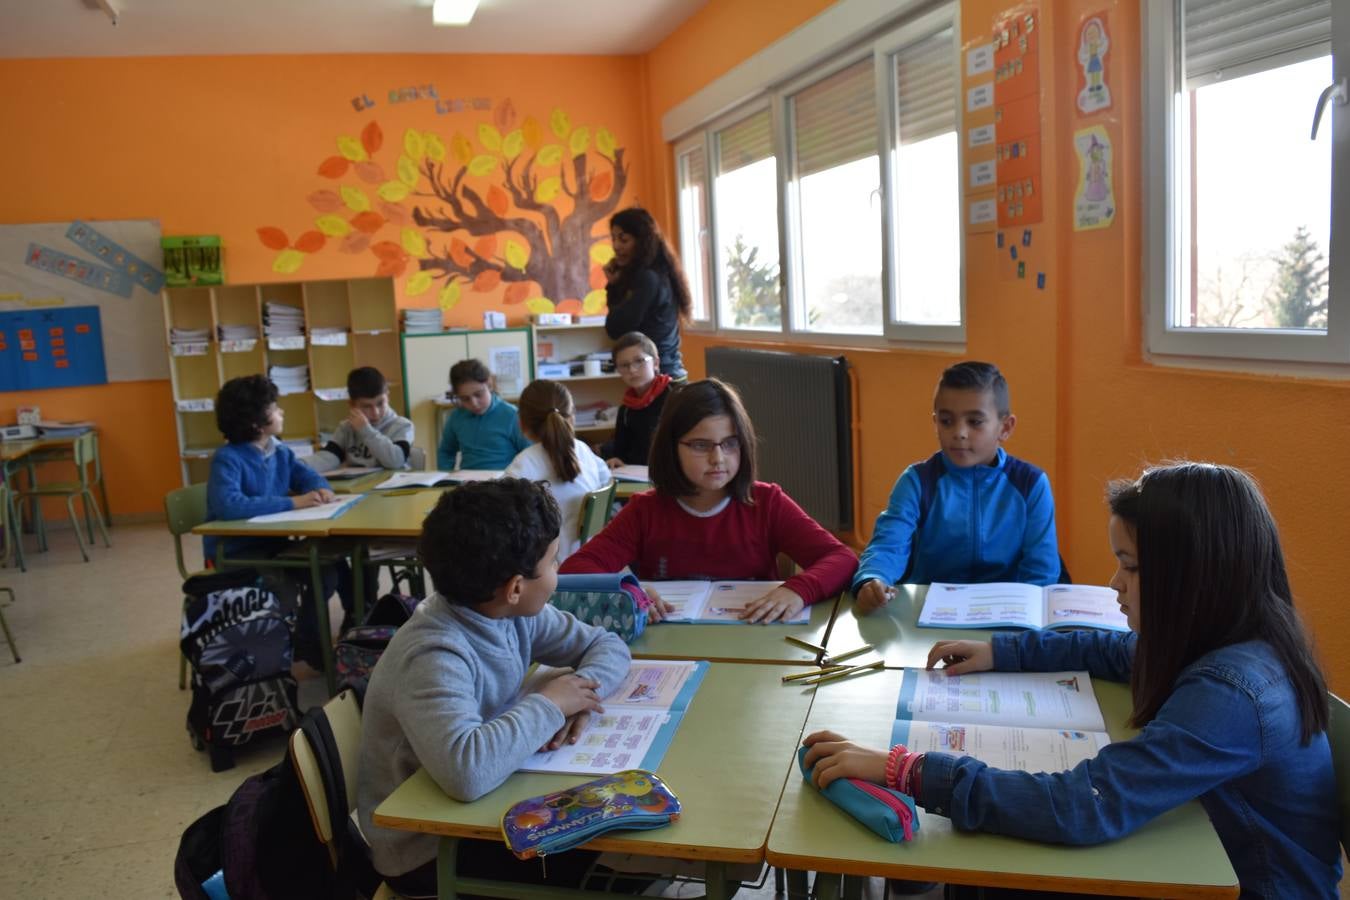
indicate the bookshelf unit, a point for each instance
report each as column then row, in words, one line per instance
column 360, row 310
column 568, row 342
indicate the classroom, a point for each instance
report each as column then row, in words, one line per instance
column 905, row 184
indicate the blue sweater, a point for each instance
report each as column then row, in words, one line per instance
column 246, row 481
column 981, row 524
column 489, row 441
column 1228, row 735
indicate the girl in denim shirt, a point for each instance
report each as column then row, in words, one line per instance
column 1231, row 703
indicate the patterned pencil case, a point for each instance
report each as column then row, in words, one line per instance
column 889, row 813
column 614, row 602
column 552, row 823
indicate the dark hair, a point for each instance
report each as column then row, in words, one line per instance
column 977, row 376
column 483, row 534
column 469, row 370
column 653, row 252
column 1211, row 574
column 546, row 411
column 241, row 407
column 365, row 382
column 687, row 407
column 635, row 339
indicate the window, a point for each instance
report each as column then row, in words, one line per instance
column 745, row 216
column 691, row 162
column 1241, row 210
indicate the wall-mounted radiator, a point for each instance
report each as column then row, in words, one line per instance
column 801, row 410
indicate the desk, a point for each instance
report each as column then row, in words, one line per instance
column 358, row 485
column 891, row 630
column 626, row 489
column 16, row 453
column 727, row 765
column 737, row 643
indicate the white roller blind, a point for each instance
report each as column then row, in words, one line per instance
column 746, row 142
column 1230, row 38
column 925, row 85
column 834, row 121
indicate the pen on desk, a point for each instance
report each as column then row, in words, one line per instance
column 849, row 670
column 397, row 493
column 847, row 654
column 818, row 650
column 816, row 673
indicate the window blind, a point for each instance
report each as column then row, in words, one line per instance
column 1230, row 38
column 834, row 121
column 747, row 141
column 925, row 86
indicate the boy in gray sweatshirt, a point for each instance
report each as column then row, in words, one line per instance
column 372, row 434
column 446, row 693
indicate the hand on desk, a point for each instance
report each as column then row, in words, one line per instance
column 873, row 596
column 573, row 694
column 834, row 756
column 572, row 728
column 961, row 657
column 779, row 603
column 659, row 608
column 316, row 497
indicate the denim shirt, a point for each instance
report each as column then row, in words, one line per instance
column 1228, row 735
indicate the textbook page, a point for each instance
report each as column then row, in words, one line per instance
column 1004, row 747
column 716, row 602
column 1083, row 606
column 1028, row 699
column 630, row 473
column 997, row 605
column 350, row 472
column 413, row 479
column 464, row 476
column 313, row 513
column 637, row 726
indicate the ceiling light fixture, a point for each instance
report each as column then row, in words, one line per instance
column 453, row 12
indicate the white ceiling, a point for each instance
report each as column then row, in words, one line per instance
column 75, row 28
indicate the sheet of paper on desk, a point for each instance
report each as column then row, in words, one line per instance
column 313, row 513
column 715, row 602
column 631, row 473
column 350, row 472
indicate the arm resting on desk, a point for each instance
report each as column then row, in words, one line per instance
column 561, row 639
column 1039, row 563
column 826, row 564
column 1103, row 654
column 887, row 554
column 225, row 497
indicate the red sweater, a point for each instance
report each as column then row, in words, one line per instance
column 661, row 540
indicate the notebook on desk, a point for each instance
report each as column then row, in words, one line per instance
column 348, row 472
column 437, row 479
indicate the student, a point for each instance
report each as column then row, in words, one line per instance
column 970, row 513
column 709, row 518
column 646, row 288
column 1231, row 701
column 372, row 434
column 445, row 695
column 637, row 362
column 557, row 457
column 482, row 428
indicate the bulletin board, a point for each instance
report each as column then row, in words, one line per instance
column 59, row 346
column 70, row 268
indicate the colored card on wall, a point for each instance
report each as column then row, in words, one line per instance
column 57, row 347
column 1094, row 94
column 1094, row 201
column 1017, row 116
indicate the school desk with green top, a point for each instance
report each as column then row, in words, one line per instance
column 891, row 630
column 727, row 764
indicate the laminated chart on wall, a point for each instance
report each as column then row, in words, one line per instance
column 52, row 347
column 979, row 179
column 1017, row 117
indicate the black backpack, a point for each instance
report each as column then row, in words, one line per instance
column 236, row 634
column 264, row 840
column 359, row 648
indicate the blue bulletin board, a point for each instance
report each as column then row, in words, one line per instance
column 60, row 346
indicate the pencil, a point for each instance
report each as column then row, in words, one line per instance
column 847, row 654
column 801, row 643
column 396, row 493
column 818, row 672
column 850, row 670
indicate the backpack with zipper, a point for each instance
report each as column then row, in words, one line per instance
column 359, row 648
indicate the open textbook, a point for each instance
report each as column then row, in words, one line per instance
column 1003, row 605
column 716, row 602
column 437, row 479
column 312, row 513
column 637, row 726
column 1028, row 721
column 349, row 472
column 631, row 473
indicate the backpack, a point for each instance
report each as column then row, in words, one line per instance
column 264, row 841
column 236, row 634
column 359, row 648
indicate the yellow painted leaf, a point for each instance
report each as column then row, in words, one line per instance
column 601, row 254
column 594, row 302
column 534, row 135
column 288, row 261
column 549, row 155
column 539, row 305
column 413, row 241
column 449, row 295
column 481, row 165
column 351, row 148
column 414, row 144
column 435, row 148
column 516, row 255
column 463, row 150
column 355, row 198
column 560, row 124
column 579, row 141
column 489, row 137
column 418, row 284
column 333, row 226
column 604, row 142
column 393, row 191
column 407, row 171
column 513, row 143
column 548, row 189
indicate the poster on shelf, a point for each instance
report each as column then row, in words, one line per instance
column 1094, row 94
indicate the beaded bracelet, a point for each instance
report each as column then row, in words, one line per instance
column 893, row 762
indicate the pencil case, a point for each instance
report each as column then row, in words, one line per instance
column 552, row 823
column 614, row 602
column 889, row 813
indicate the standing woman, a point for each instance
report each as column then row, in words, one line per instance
column 647, row 290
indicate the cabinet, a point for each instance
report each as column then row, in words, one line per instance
column 568, row 342
column 216, row 333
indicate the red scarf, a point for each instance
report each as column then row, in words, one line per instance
column 633, row 400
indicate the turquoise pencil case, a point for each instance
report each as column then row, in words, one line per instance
column 552, row 823
column 889, row 813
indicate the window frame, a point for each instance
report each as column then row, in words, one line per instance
column 698, row 141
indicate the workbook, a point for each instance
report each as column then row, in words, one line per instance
column 1028, row 721
column 312, row 513
column 637, row 726
column 716, row 602
column 437, row 479
column 631, row 473
column 1003, row 605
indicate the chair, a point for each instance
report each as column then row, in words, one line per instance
column 185, row 509
column 13, row 648
column 66, row 454
column 1339, row 737
column 84, row 452
column 9, row 528
column 596, row 509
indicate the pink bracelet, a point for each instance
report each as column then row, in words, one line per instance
column 903, row 784
column 893, row 763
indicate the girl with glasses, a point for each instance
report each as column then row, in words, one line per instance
column 639, row 366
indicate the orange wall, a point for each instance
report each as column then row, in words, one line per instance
column 224, row 145
column 1089, row 408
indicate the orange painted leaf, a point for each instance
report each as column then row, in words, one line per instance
column 598, row 281
column 570, row 305
column 368, row 221
column 497, row 200
column 486, row 247
column 334, row 167
column 391, row 268
column 372, row 137
column 325, row 201
column 273, row 238
column 370, row 172
column 601, row 186
column 393, row 212
column 354, row 242
column 459, row 252
column 310, row 242
column 486, row 281
column 389, row 250
column 516, row 293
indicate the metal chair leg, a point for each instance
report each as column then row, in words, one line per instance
column 13, row 648
column 75, row 524
column 89, row 501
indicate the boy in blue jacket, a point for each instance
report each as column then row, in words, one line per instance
column 970, row 513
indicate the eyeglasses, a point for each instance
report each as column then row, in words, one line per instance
column 701, row 447
column 633, row 365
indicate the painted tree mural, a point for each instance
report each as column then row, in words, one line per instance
column 515, row 209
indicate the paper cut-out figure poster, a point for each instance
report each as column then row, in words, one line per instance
column 1094, row 94
column 1094, row 202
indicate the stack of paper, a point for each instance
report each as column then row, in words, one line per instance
column 330, row 335
column 421, row 321
column 238, row 332
column 290, row 379
column 631, row 473
column 280, row 320
column 189, row 335
column 63, row 429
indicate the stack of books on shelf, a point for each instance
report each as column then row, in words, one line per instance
column 421, row 321
column 290, row 379
column 237, row 332
column 280, row 320
column 189, row 335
